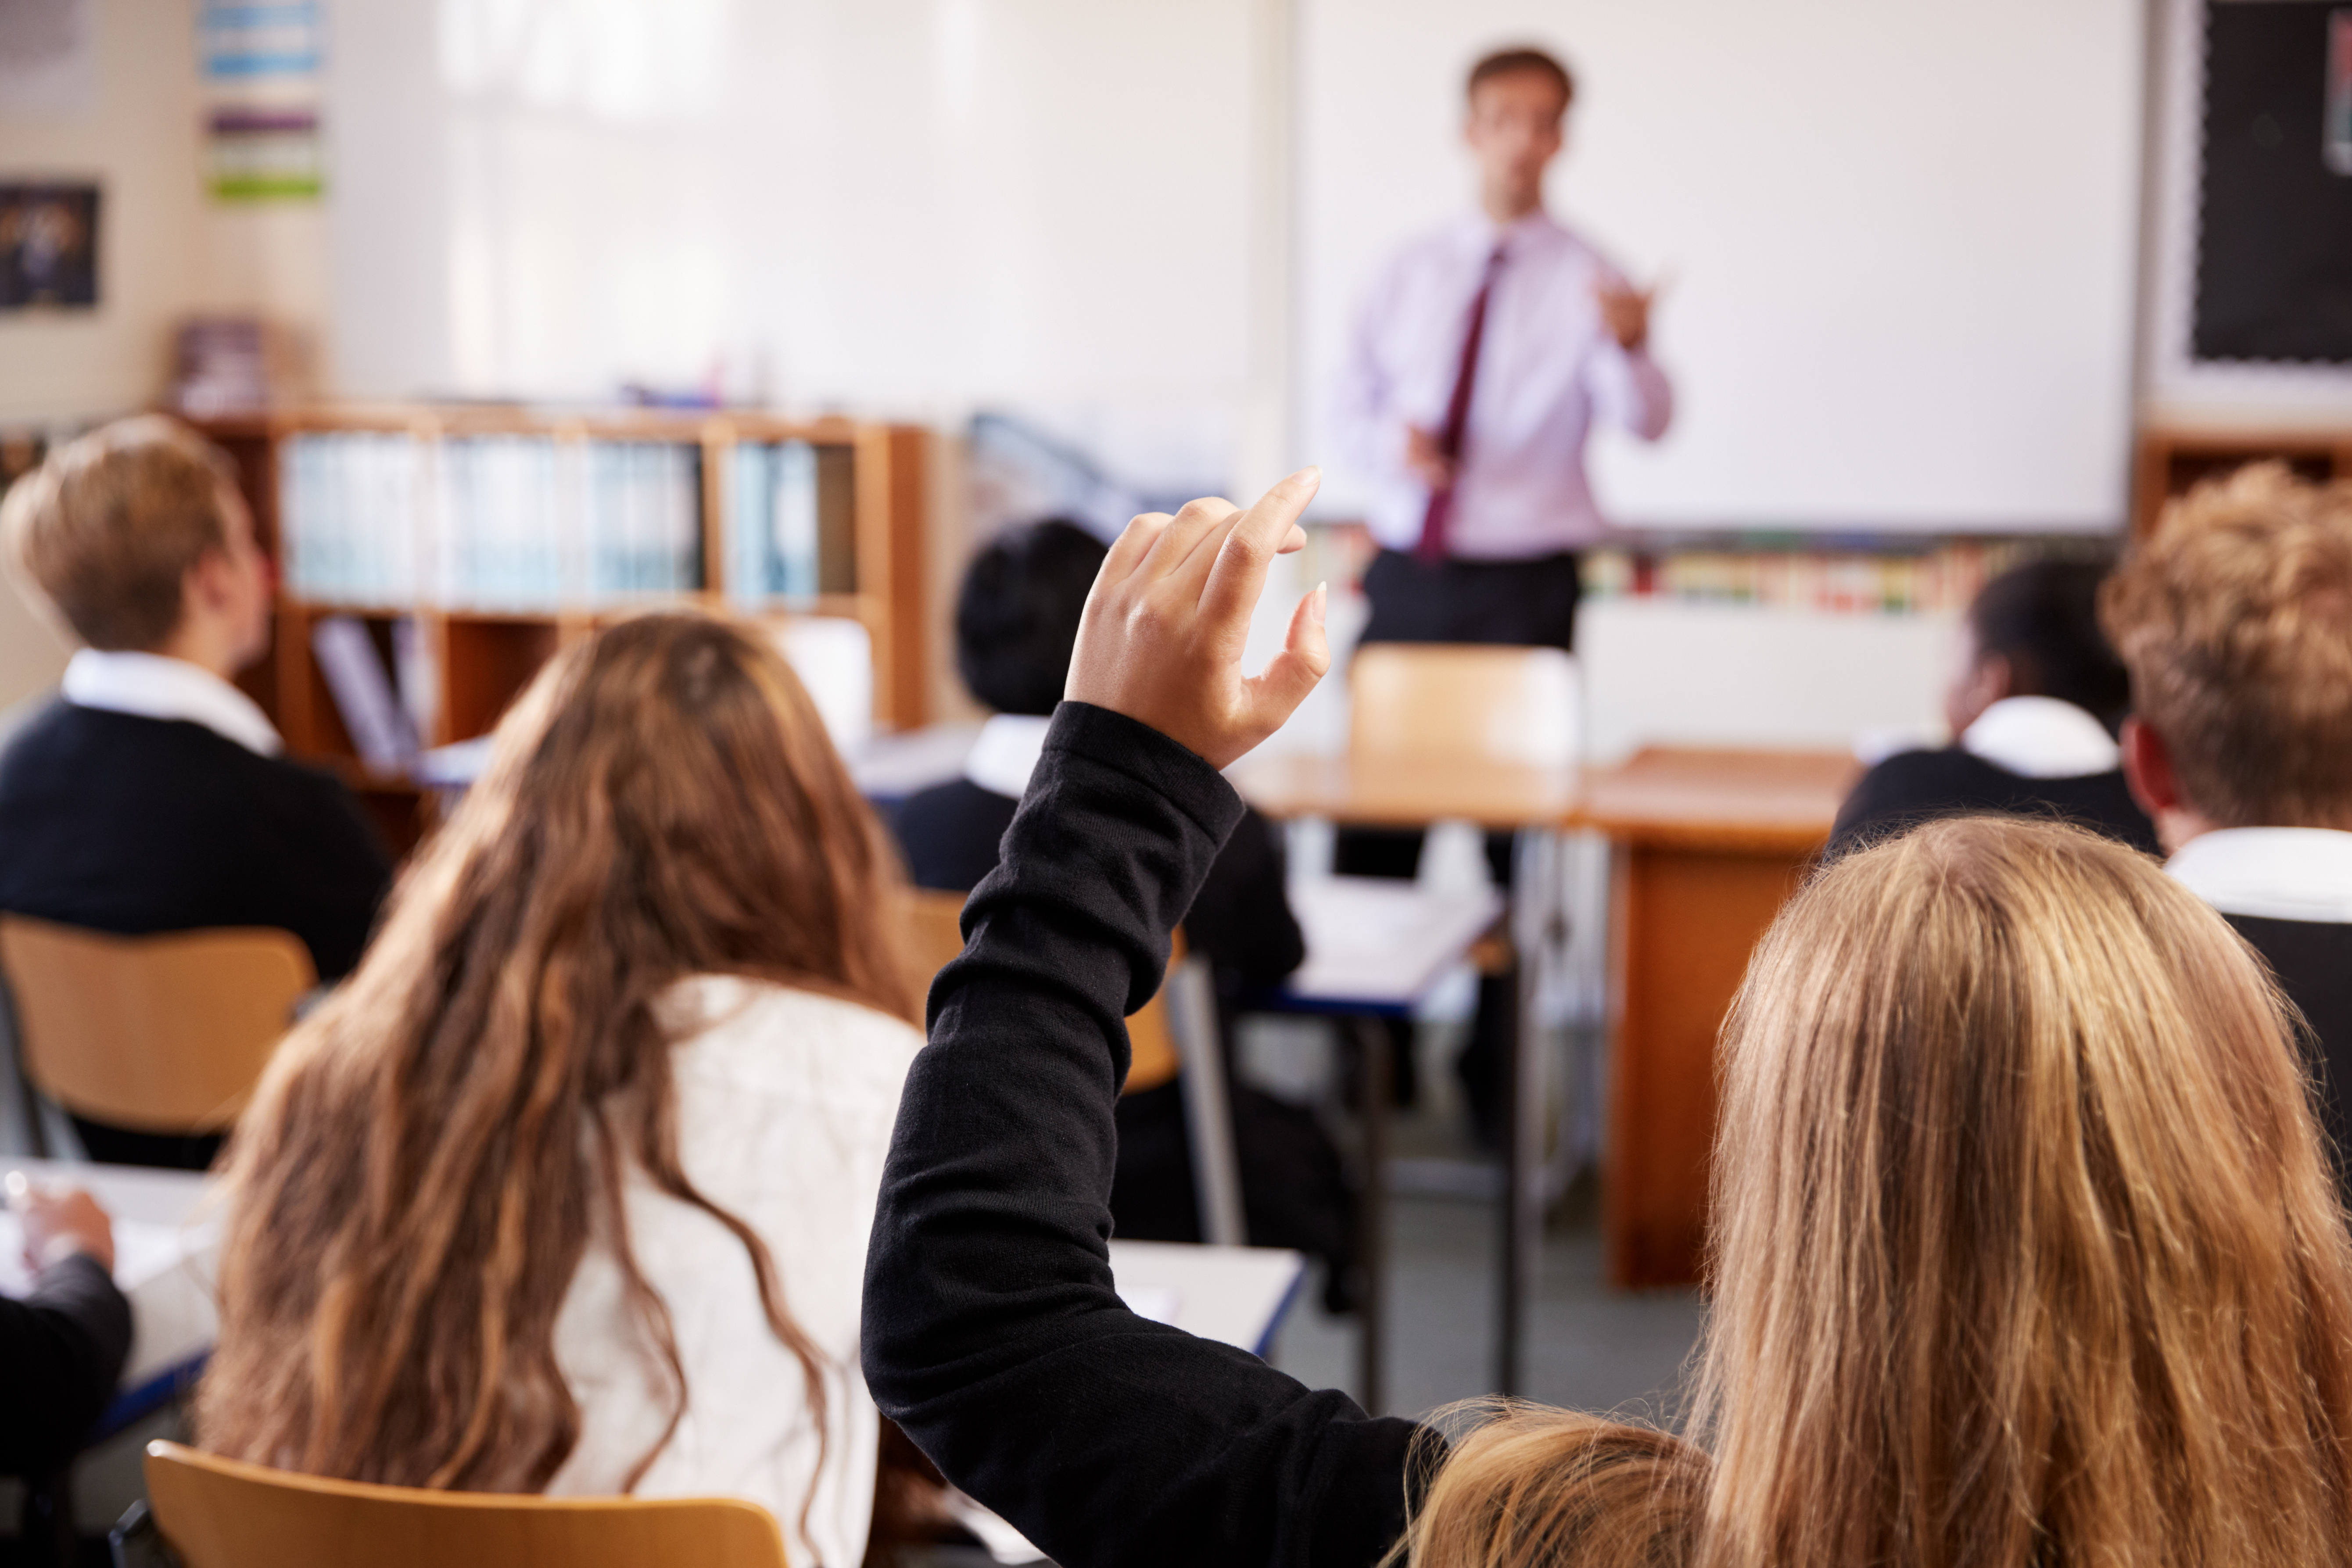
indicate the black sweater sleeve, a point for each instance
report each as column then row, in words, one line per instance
column 992, row 1333
column 61, row 1350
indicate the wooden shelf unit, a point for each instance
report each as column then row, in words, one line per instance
column 482, row 657
column 2170, row 459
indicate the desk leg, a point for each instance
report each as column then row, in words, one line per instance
column 1534, row 916
column 1690, row 919
column 1371, row 1339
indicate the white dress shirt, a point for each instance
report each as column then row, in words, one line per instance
column 1006, row 753
column 785, row 1102
column 1548, row 369
column 2276, row 873
column 2042, row 738
column 155, row 686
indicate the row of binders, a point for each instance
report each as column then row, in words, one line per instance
column 1941, row 579
column 534, row 523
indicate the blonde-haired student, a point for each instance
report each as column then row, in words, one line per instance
column 153, row 795
column 2235, row 620
column 568, row 1189
column 2026, row 1252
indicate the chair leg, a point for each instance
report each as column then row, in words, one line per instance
column 1372, row 1339
column 1208, row 1107
column 45, row 1529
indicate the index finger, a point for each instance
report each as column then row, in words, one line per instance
column 1134, row 542
column 1239, row 574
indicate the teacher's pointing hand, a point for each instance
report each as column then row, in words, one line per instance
column 1165, row 627
column 1625, row 311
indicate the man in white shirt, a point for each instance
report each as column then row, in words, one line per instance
column 2235, row 620
column 151, row 795
column 1482, row 358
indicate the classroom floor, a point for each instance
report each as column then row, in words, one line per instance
column 1589, row 1347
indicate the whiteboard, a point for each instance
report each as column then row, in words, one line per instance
column 1901, row 239
column 904, row 207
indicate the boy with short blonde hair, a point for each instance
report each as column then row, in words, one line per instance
column 151, row 796
column 2235, row 620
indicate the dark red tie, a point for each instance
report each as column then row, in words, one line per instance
column 1437, row 521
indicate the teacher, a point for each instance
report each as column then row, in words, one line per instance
column 1484, row 354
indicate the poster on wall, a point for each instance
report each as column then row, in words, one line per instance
column 261, row 80
column 48, row 247
column 49, row 56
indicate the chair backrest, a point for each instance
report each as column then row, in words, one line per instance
column 936, row 934
column 165, row 1033
column 221, row 1514
column 1453, row 702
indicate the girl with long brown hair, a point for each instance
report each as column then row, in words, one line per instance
column 2026, row 1254
column 2025, row 1248
column 568, row 1188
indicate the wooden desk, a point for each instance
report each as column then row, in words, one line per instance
column 1709, row 845
column 1414, row 793
column 1400, row 794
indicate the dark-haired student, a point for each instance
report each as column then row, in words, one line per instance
column 2235, row 620
column 153, row 796
column 1016, row 620
column 62, row 1347
column 2035, row 706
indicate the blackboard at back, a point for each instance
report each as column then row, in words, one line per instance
column 2274, row 223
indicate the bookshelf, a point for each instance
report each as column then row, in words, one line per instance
column 472, row 543
column 2172, row 458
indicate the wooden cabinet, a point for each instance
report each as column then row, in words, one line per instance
column 415, row 559
column 2170, row 459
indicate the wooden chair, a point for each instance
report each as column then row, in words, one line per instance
column 936, row 936
column 1175, row 1031
column 221, row 1514
column 1453, row 702
column 164, row 1034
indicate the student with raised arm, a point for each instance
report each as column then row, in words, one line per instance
column 2011, row 1122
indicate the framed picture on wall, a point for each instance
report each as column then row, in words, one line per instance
column 48, row 246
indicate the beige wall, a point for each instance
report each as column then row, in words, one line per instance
column 164, row 252
column 140, row 141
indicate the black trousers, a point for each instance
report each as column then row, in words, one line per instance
column 1522, row 603
column 1518, row 603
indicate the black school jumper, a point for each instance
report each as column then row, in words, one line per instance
column 2313, row 961
column 1913, row 787
column 61, row 1348
column 131, row 825
column 992, row 1334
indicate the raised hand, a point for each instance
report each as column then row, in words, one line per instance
column 1165, row 627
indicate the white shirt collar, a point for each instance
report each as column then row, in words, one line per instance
column 1477, row 232
column 1006, row 753
column 2042, row 738
column 2277, row 873
column 155, row 686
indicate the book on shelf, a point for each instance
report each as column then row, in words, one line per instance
column 773, row 527
column 381, row 729
column 524, row 522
